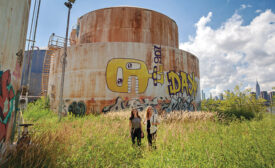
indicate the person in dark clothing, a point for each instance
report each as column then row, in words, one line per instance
column 135, row 127
column 150, row 136
column 151, row 119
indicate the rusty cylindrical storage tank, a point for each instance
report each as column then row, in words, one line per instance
column 14, row 16
column 124, row 57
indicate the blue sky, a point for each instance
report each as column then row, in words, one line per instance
column 186, row 13
column 233, row 39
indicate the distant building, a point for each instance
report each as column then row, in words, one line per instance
column 264, row 95
column 271, row 95
column 210, row 95
column 221, row 96
column 258, row 90
column 253, row 94
column 203, row 95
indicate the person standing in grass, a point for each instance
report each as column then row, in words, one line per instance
column 151, row 119
column 135, row 127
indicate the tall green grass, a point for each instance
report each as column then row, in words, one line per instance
column 103, row 141
column 38, row 111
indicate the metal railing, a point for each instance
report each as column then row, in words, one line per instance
column 56, row 41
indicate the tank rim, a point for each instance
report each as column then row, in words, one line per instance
column 128, row 7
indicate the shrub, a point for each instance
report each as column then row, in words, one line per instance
column 237, row 104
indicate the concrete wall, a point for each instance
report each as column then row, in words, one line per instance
column 13, row 28
column 107, row 74
column 93, row 77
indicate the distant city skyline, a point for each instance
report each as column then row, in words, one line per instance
column 267, row 95
column 257, row 91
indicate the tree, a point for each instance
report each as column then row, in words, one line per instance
column 236, row 104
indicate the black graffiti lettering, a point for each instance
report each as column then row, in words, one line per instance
column 77, row 109
column 157, row 60
column 157, row 53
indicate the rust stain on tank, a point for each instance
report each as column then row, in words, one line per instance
column 96, row 78
column 149, row 59
column 172, row 60
column 108, row 25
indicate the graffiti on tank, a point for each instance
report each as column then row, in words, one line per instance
column 157, row 75
column 175, row 103
column 7, row 98
column 118, row 105
column 140, row 104
column 119, row 75
column 181, row 82
column 179, row 103
column 157, row 54
column 77, row 108
column 181, row 87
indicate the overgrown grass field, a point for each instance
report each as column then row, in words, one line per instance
column 103, row 141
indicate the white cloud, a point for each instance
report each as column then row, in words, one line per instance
column 258, row 11
column 243, row 6
column 235, row 53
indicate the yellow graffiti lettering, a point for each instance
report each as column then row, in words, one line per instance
column 175, row 83
column 160, row 73
column 184, row 83
column 181, row 82
column 193, row 84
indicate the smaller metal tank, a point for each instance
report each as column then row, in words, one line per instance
column 36, row 73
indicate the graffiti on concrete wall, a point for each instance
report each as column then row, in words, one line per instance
column 140, row 104
column 175, row 103
column 181, row 87
column 7, row 98
column 181, row 82
column 77, row 108
column 118, row 105
column 119, row 72
column 179, row 103
column 157, row 75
